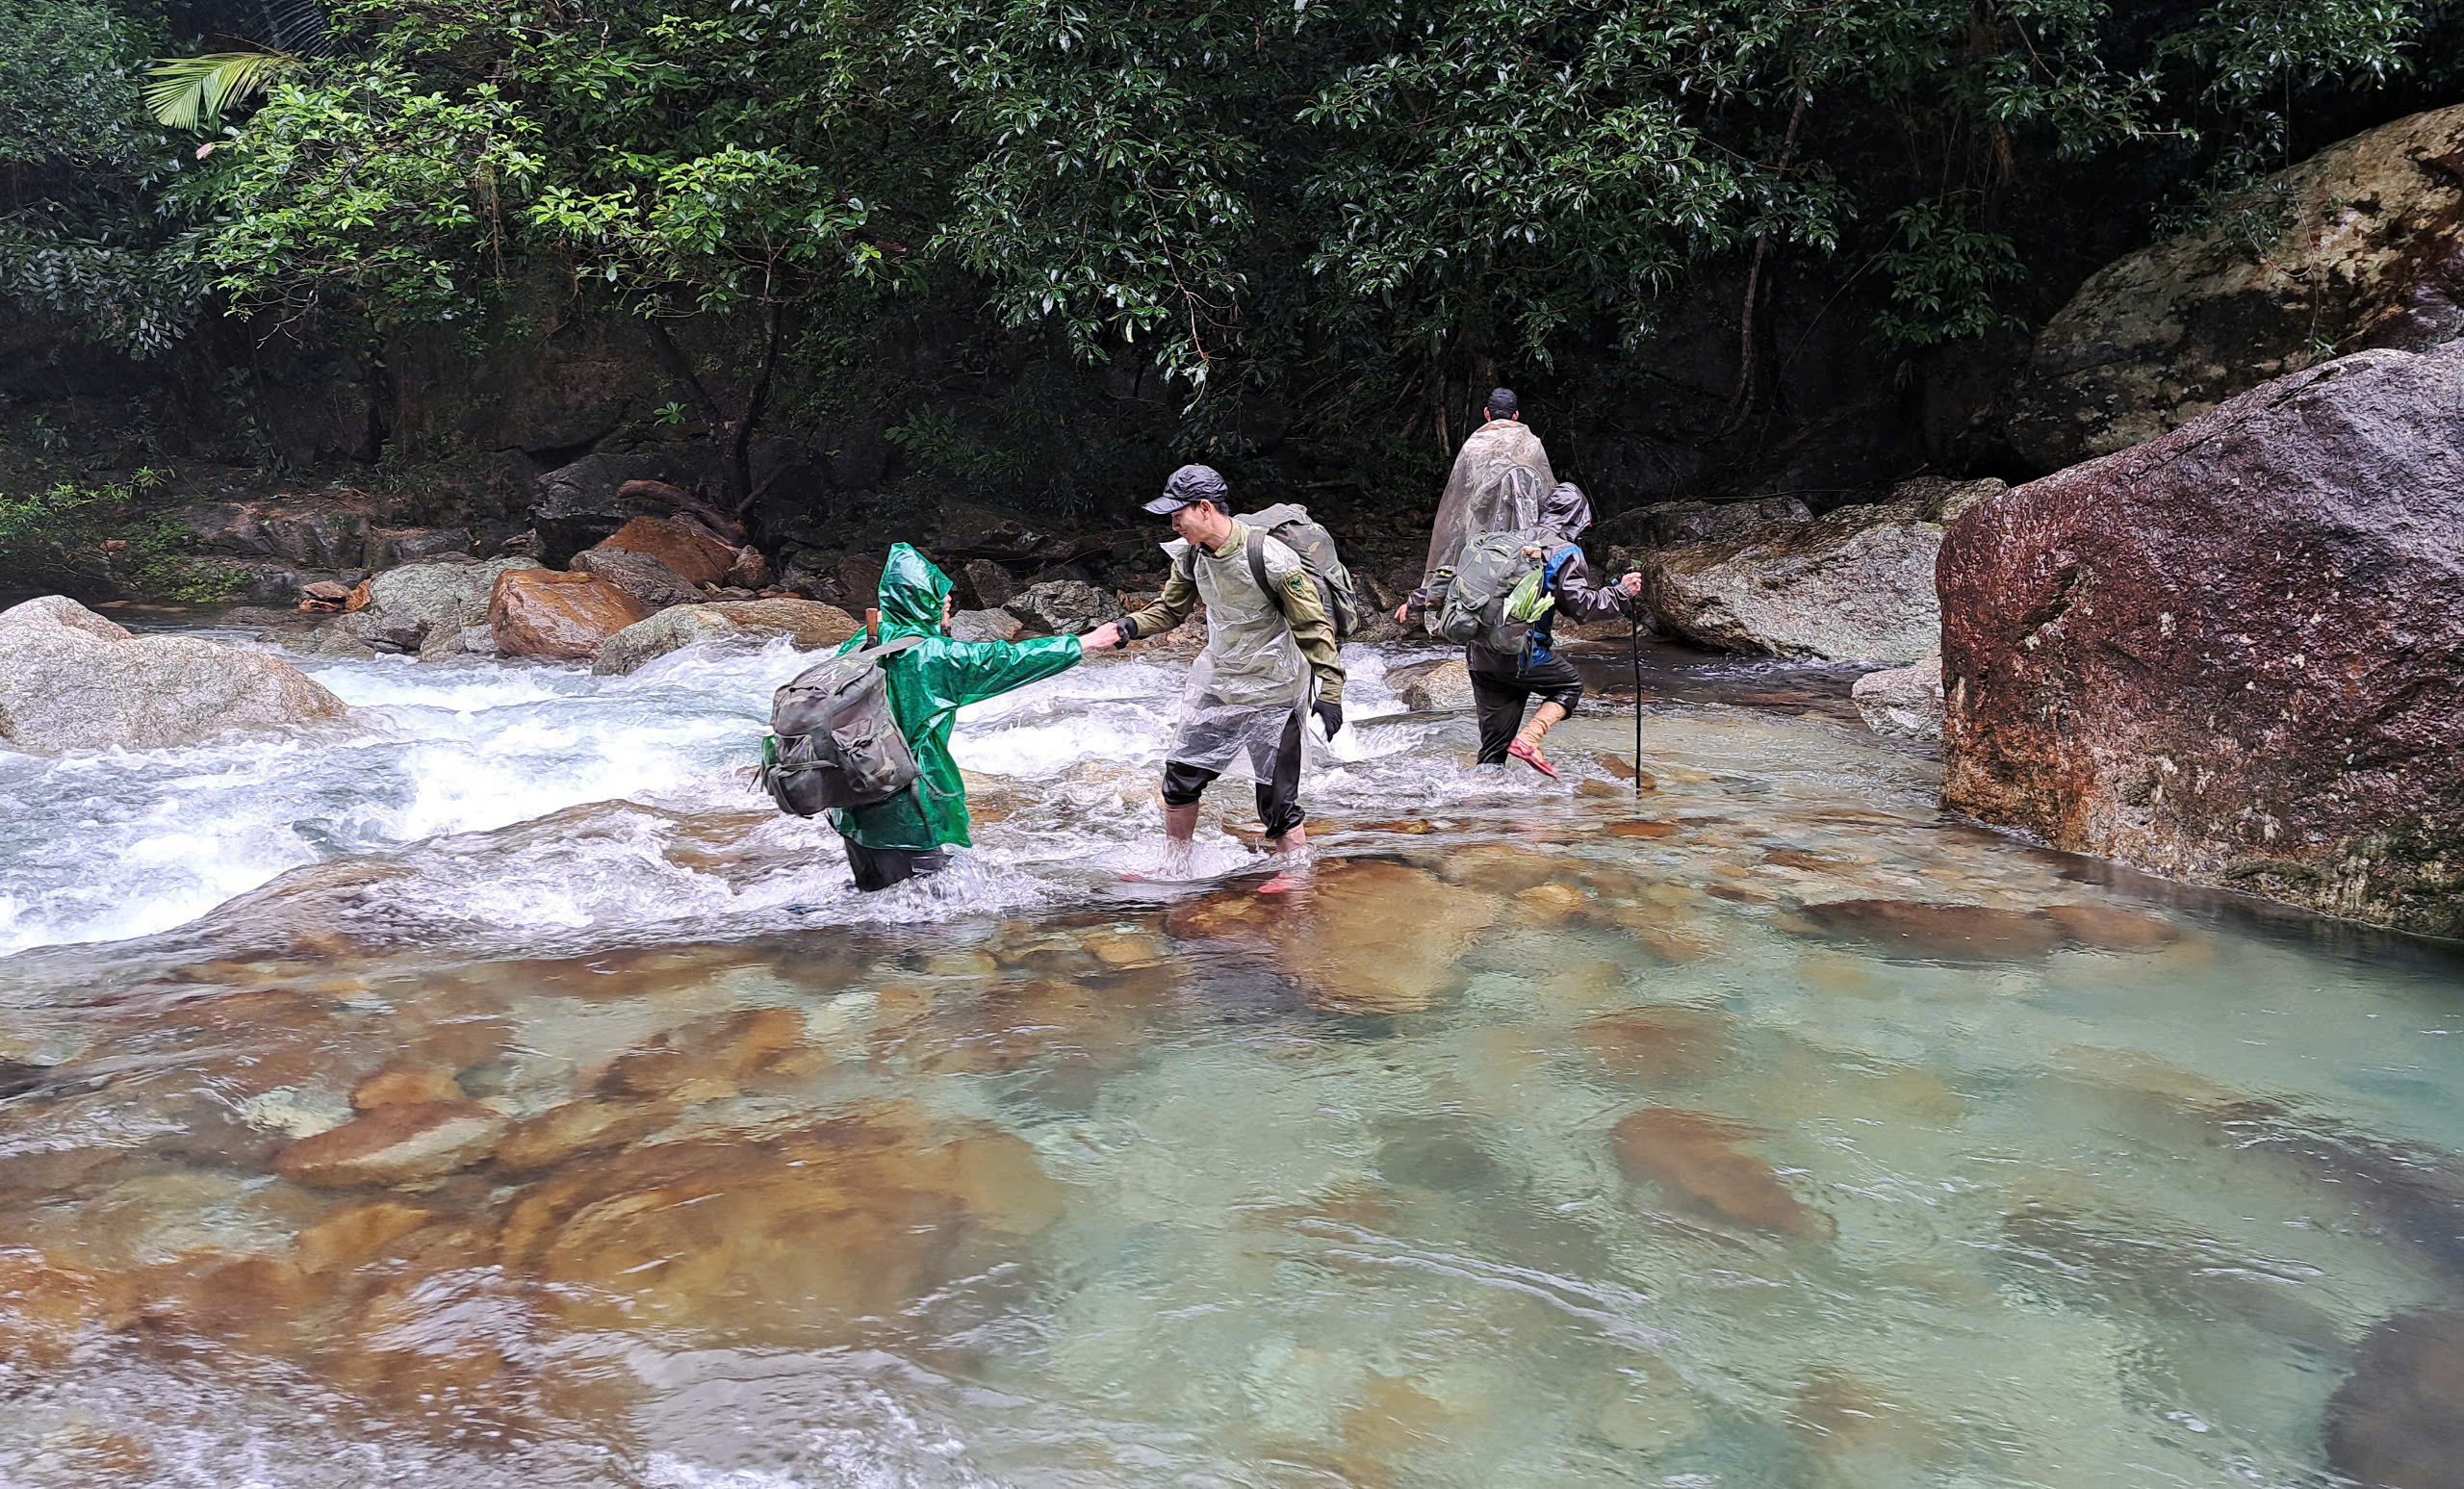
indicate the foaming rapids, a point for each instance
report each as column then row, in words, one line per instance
column 489, row 808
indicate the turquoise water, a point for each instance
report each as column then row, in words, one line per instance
column 1556, row 1135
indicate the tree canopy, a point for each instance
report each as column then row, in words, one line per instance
column 1236, row 195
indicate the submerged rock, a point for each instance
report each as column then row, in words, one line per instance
column 809, row 625
column 2399, row 1421
column 561, row 617
column 2232, row 654
column 1853, row 585
column 48, row 1309
column 74, row 680
column 1954, row 933
column 708, row 1057
column 2106, row 929
column 394, row 1145
column 825, row 1235
column 2365, row 257
column 1365, row 937
column 1696, row 1157
column 1906, row 701
column 575, row 1128
column 1660, row 1043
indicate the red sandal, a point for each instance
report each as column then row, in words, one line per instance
column 1532, row 758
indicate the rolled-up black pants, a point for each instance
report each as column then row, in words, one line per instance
column 1499, row 698
column 1278, row 781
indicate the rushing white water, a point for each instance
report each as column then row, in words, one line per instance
column 107, row 846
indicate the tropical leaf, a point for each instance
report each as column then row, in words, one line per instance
column 191, row 93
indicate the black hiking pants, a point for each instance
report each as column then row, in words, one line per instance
column 1279, row 782
column 1499, row 697
column 879, row 868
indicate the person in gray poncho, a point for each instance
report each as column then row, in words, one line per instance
column 1500, row 476
column 1269, row 661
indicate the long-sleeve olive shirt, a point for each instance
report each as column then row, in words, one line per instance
column 1243, row 627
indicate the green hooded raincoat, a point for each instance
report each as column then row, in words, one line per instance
column 928, row 686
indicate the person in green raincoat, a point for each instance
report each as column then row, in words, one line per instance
column 902, row 837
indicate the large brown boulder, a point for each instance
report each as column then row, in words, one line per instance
column 423, row 607
column 699, row 557
column 2234, row 654
column 1853, row 585
column 639, row 575
column 74, row 680
column 2370, row 252
column 807, row 624
column 564, row 617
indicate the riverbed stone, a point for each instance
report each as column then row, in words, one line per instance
column 2362, row 252
column 354, row 1234
column 1366, row 936
column 394, row 1146
column 2231, row 654
column 1903, row 701
column 1853, row 585
column 2107, row 929
column 71, row 683
column 639, row 575
column 48, row 1308
column 2393, row 1424
column 1701, row 1160
column 707, row 1056
column 405, row 1082
column 1953, row 932
column 686, row 550
column 557, row 617
column 576, row 1128
column 824, row 1235
column 808, row 625
column 1660, row 1043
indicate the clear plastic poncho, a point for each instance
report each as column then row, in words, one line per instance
column 1251, row 682
column 1500, row 478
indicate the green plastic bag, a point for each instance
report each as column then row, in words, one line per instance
column 1531, row 599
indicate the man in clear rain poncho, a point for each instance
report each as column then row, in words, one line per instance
column 1502, row 483
column 1501, row 478
column 1269, row 661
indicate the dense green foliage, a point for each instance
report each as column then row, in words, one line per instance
column 1326, row 201
column 101, row 539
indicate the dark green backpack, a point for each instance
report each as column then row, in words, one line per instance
column 1488, row 599
column 1290, row 524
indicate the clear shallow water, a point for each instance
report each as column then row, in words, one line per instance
column 1557, row 1137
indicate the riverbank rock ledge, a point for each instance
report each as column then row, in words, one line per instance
column 74, row 680
column 1853, row 585
column 2235, row 654
column 807, row 624
column 2369, row 253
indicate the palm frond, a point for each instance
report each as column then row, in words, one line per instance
column 191, row 93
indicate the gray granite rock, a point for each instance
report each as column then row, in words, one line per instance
column 75, row 680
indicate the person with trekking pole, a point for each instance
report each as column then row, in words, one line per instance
column 1503, row 597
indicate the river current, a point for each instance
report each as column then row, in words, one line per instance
column 1761, row 1127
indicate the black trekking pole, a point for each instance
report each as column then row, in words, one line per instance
column 1634, row 628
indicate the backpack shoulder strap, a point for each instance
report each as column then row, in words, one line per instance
column 1556, row 561
column 890, row 649
column 1258, row 568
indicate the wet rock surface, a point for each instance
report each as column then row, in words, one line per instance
column 1853, row 585
column 1905, row 702
column 421, row 608
column 686, row 550
column 74, row 680
column 642, row 576
column 1671, row 524
column 1959, row 933
column 1440, row 686
column 809, row 625
column 2231, row 654
column 1701, row 1160
column 1059, row 607
column 2368, row 255
column 561, row 617
column 404, row 1144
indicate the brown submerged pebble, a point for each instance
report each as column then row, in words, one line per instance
column 1696, row 1157
column 1660, row 1043
column 2112, row 930
column 2399, row 1421
column 708, row 1057
column 1955, row 932
column 394, row 1145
